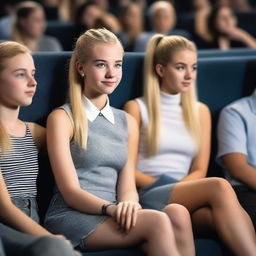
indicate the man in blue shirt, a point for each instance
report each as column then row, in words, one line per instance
column 237, row 150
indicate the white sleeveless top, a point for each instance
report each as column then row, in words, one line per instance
column 177, row 148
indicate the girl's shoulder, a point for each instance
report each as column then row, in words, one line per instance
column 38, row 133
column 133, row 107
column 203, row 108
column 204, row 113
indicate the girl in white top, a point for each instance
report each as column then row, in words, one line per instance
column 175, row 131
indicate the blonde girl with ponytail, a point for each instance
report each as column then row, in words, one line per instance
column 92, row 148
column 174, row 146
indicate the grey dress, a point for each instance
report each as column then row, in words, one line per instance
column 97, row 168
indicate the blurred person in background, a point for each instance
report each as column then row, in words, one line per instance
column 162, row 18
column 222, row 31
column 29, row 27
column 86, row 15
column 131, row 18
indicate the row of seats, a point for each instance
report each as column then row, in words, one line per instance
column 221, row 80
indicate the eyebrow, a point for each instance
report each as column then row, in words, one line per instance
column 21, row 69
column 185, row 63
column 99, row 60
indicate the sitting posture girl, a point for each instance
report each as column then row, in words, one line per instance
column 92, row 149
column 174, row 149
column 19, row 145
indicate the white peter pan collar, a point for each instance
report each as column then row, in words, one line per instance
column 92, row 111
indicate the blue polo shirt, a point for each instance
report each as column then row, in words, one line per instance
column 237, row 131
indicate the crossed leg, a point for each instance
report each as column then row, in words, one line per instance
column 232, row 223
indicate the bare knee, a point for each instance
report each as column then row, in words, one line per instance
column 179, row 216
column 221, row 190
column 155, row 220
column 154, row 216
column 220, row 185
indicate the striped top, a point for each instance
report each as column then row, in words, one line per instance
column 20, row 166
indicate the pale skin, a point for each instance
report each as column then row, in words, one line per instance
column 128, row 224
column 203, row 197
column 17, row 87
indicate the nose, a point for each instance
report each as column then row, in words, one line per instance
column 110, row 72
column 32, row 81
column 188, row 74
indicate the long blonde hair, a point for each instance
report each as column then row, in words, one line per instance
column 24, row 9
column 82, row 52
column 160, row 50
column 8, row 50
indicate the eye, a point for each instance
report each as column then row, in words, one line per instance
column 20, row 75
column 100, row 65
column 194, row 68
column 180, row 67
column 118, row 65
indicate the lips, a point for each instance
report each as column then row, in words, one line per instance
column 30, row 93
column 109, row 83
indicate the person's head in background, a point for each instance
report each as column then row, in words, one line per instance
column 30, row 22
column 131, row 18
column 86, row 15
column 162, row 17
column 221, row 20
column 108, row 21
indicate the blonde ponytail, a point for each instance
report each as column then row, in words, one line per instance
column 152, row 96
column 76, row 103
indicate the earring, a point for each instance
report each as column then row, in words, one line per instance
column 82, row 75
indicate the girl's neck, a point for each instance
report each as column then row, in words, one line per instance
column 98, row 101
column 10, row 121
